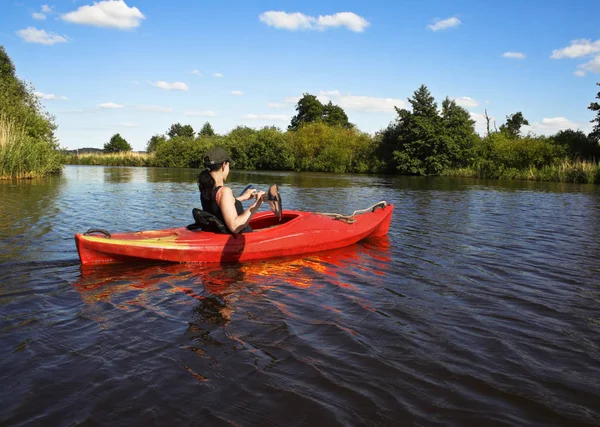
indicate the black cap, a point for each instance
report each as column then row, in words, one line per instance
column 216, row 156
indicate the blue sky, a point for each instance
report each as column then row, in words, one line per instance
column 137, row 66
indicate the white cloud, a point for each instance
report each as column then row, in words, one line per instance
column 287, row 21
column 42, row 15
column 33, row 35
column 299, row 21
column 237, row 92
column 128, row 125
column 110, row 105
column 153, row 109
column 350, row 20
column 591, row 66
column 549, row 126
column 444, row 24
column 277, row 105
column 200, row 113
column 514, row 55
column 362, row 103
column 50, row 96
column 578, row 48
column 197, row 72
column 276, row 117
column 170, row 86
column 108, row 14
column 465, row 101
column 218, row 75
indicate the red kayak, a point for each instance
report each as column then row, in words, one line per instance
column 296, row 233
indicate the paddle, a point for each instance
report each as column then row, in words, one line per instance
column 273, row 197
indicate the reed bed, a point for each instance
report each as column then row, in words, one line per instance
column 568, row 170
column 124, row 158
column 22, row 156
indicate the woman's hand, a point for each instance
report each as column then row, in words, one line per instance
column 247, row 195
column 259, row 200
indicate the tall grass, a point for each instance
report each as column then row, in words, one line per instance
column 23, row 156
column 124, row 158
column 576, row 171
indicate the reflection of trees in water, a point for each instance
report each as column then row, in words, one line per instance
column 28, row 210
column 117, row 174
column 180, row 175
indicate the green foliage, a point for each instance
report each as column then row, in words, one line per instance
column 499, row 154
column 323, row 148
column 423, row 142
column 28, row 128
column 334, row 115
column 206, row 130
column 153, row 142
column 263, row 149
column 311, row 110
column 460, row 130
column 116, row 144
column 174, row 153
column 595, row 106
column 24, row 156
column 577, row 144
column 577, row 171
column 513, row 125
column 178, row 129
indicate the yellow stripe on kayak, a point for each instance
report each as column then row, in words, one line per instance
column 158, row 242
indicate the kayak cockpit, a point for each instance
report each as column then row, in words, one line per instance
column 267, row 221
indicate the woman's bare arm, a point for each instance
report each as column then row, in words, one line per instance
column 233, row 221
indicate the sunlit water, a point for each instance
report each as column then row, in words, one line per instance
column 481, row 307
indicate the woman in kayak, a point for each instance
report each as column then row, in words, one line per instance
column 218, row 199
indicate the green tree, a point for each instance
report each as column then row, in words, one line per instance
column 460, row 130
column 178, row 129
column 20, row 105
column 595, row 106
column 310, row 110
column 513, row 125
column 116, row 144
column 153, row 142
column 207, row 130
column 577, row 144
column 334, row 115
column 417, row 142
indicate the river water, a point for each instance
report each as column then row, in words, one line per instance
column 480, row 307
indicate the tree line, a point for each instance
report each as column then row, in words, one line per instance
column 425, row 139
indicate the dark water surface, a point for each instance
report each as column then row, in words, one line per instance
column 481, row 307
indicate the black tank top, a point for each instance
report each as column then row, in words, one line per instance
column 209, row 204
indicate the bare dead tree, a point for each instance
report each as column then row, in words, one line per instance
column 487, row 122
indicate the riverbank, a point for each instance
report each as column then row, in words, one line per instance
column 122, row 158
column 23, row 155
column 574, row 171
